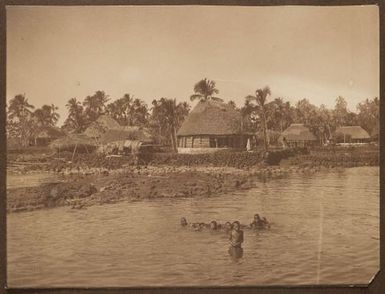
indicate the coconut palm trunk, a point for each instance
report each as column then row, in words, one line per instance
column 173, row 139
column 264, row 124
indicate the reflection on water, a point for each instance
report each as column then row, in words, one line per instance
column 325, row 229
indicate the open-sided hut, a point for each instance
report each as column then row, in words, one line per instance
column 120, row 140
column 74, row 143
column 103, row 124
column 297, row 135
column 46, row 135
column 351, row 134
column 209, row 126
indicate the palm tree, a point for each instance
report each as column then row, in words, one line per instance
column 260, row 99
column 204, row 91
column 139, row 113
column 19, row 123
column 46, row 115
column 75, row 119
column 95, row 105
column 168, row 117
column 128, row 111
column 19, row 107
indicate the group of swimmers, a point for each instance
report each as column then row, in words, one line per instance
column 258, row 223
column 233, row 230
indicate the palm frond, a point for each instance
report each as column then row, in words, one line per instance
column 195, row 97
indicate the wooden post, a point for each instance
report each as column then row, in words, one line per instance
column 73, row 154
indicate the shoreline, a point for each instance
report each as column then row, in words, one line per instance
column 79, row 191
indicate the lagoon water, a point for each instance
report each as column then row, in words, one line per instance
column 325, row 230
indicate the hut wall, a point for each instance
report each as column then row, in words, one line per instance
column 234, row 141
column 193, row 142
column 201, row 142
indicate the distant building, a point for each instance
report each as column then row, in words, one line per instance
column 210, row 126
column 297, row 135
column 351, row 134
column 46, row 135
column 97, row 128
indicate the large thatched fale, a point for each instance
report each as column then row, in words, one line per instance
column 212, row 124
column 74, row 142
column 100, row 126
column 297, row 135
column 351, row 134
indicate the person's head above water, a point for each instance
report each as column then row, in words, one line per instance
column 228, row 225
column 256, row 216
column 236, row 225
column 213, row 225
column 183, row 221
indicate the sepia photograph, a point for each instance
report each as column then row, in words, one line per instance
column 192, row 145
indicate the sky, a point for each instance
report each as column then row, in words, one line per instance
column 318, row 53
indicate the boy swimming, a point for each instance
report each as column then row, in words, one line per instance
column 259, row 223
column 236, row 236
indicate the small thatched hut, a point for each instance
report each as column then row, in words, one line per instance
column 46, row 135
column 211, row 125
column 297, row 135
column 74, row 143
column 125, row 133
column 351, row 134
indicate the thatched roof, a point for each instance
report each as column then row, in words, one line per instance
column 100, row 126
column 126, row 133
column 72, row 140
column 354, row 132
column 211, row 118
column 298, row 132
column 50, row 133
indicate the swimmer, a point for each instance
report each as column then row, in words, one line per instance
column 236, row 236
column 202, row 226
column 266, row 223
column 257, row 222
column 195, row 226
column 228, row 227
column 183, row 222
column 213, row 226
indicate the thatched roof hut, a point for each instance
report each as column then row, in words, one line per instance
column 211, row 118
column 126, row 133
column 298, row 132
column 47, row 134
column 50, row 133
column 72, row 142
column 212, row 124
column 100, row 126
column 297, row 135
column 351, row 134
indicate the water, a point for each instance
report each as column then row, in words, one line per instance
column 325, row 229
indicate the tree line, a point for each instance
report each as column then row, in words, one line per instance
column 261, row 114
